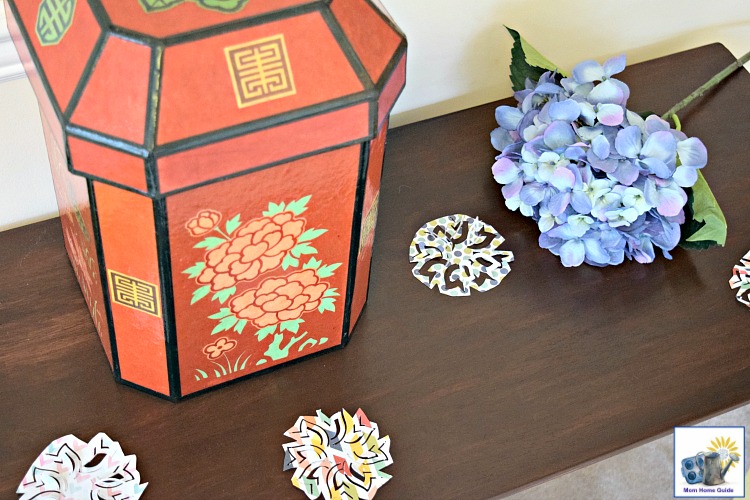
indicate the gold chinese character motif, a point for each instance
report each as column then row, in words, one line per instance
column 260, row 71
column 134, row 293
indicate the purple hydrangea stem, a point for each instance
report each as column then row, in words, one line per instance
column 715, row 80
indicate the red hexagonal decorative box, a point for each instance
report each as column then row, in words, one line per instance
column 217, row 166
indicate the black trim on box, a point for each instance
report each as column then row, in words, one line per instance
column 263, row 167
column 216, row 179
column 103, row 278
column 385, row 78
column 88, row 70
column 197, row 141
column 359, row 200
column 387, row 20
column 391, row 66
column 152, row 116
column 107, row 181
column 347, row 49
column 151, row 392
column 268, row 17
column 372, row 119
column 372, row 256
column 122, row 145
column 152, row 177
column 154, row 91
column 133, row 36
column 102, row 139
column 364, row 306
column 100, row 13
column 161, row 224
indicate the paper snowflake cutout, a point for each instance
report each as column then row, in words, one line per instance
column 341, row 456
column 457, row 253
column 741, row 280
column 70, row 468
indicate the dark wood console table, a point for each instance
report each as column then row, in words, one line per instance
column 480, row 395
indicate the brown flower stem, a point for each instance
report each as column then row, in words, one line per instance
column 715, row 80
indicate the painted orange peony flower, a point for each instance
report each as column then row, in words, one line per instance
column 258, row 246
column 204, row 222
column 222, row 345
column 280, row 299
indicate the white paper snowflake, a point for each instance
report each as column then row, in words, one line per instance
column 456, row 253
column 71, row 469
column 741, row 280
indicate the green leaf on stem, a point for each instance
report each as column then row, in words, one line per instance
column 210, row 242
column 200, row 293
column 274, row 209
column 240, row 326
column 223, row 313
column 311, row 234
column 223, row 295
column 327, row 271
column 224, row 325
column 303, row 249
column 526, row 62
column 705, row 225
column 327, row 304
column 275, row 352
column 265, row 332
column 288, row 262
column 292, row 325
column 299, row 206
column 195, row 271
column 233, row 224
column 313, row 263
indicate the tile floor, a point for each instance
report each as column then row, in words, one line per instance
column 612, row 479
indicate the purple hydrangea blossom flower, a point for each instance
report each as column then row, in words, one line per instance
column 602, row 183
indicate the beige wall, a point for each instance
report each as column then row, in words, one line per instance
column 459, row 51
column 458, row 58
column 26, row 193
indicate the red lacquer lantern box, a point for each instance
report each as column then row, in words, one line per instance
column 217, row 166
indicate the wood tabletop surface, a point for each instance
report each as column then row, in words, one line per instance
column 481, row 395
